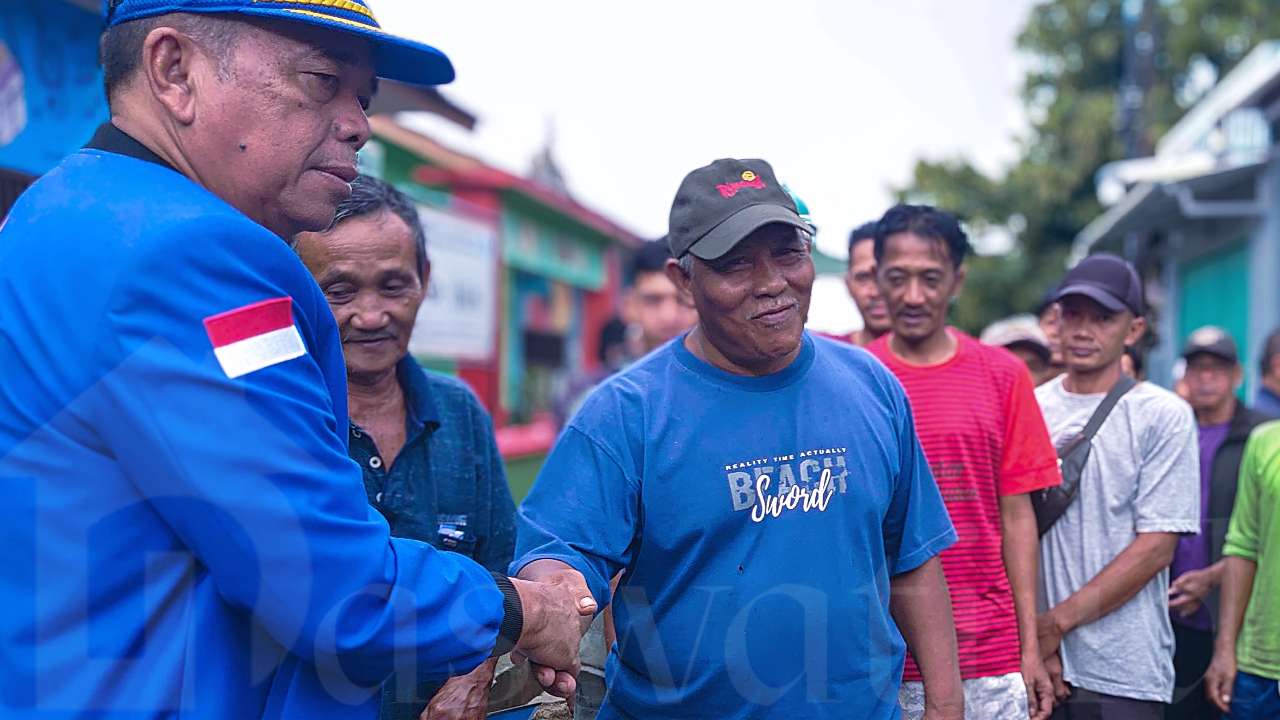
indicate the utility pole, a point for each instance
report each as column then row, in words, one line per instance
column 1141, row 40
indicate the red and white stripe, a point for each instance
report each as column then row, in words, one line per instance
column 255, row 336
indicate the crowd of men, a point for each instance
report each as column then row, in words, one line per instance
column 233, row 492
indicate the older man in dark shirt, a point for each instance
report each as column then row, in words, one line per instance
column 426, row 445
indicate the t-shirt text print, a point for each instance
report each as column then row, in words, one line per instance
column 803, row 481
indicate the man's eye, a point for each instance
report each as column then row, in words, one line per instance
column 339, row 294
column 730, row 265
column 325, row 85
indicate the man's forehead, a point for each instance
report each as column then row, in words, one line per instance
column 365, row 238
column 863, row 252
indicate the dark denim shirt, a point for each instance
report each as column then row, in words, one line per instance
column 447, row 487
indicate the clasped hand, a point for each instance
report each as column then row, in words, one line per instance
column 557, row 606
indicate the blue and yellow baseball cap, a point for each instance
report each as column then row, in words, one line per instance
column 396, row 58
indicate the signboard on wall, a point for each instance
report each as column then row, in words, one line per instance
column 457, row 319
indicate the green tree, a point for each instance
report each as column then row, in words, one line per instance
column 1079, row 52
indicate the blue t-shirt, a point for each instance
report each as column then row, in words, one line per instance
column 758, row 519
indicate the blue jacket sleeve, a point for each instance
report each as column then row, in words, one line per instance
column 252, row 473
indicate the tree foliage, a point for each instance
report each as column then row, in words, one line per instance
column 1078, row 52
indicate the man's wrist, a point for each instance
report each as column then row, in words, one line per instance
column 512, row 616
column 1216, row 572
column 1224, row 644
column 1061, row 623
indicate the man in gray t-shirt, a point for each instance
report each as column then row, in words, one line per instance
column 1106, row 561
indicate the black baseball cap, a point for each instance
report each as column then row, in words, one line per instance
column 720, row 204
column 1214, row 341
column 1106, row 279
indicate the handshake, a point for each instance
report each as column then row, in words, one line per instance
column 557, row 608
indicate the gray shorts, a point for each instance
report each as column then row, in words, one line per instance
column 999, row 697
column 591, row 687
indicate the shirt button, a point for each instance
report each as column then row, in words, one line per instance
column 378, row 498
column 375, row 462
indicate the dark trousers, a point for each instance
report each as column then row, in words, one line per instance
column 1088, row 705
column 1254, row 698
column 1190, row 660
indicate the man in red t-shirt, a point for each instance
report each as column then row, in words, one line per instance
column 986, row 440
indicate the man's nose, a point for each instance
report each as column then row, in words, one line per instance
column 352, row 125
column 914, row 292
column 769, row 278
column 368, row 316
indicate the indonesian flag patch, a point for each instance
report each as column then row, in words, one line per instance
column 255, row 336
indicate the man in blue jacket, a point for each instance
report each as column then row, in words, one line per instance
column 183, row 533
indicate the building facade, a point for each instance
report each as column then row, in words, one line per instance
column 1201, row 218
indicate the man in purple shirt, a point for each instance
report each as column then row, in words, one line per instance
column 1213, row 374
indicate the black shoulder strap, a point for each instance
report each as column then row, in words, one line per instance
column 1122, row 386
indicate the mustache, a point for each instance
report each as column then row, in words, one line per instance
column 772, row 307
column 367, row 335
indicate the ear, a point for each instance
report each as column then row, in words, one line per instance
column 169, row 60
column 1137, row 329
column 682, row 282
column 848, row 279
column 426, row 276
column 1237, row 377
column 962, row 272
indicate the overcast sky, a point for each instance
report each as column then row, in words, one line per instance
column 840, row 96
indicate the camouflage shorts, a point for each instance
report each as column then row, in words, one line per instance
column 1000, row 697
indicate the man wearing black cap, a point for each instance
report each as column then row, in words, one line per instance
column 186, row 535
column 1267, row 400
column 764, row 490
column 1213, row 374
column 1105, row 560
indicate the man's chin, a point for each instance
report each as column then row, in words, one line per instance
column 782, row 343
column 362, row 363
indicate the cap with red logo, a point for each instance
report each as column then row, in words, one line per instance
column 720, row 204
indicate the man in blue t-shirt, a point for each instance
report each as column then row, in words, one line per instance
column 763, row 490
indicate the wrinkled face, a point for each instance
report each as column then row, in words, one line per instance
column 752, row 302
column 1211, row 380
column 277, row 134
column 367, row 268
column 918, row 281
column 654, row 305
column 860, row 278
column 1094, row 337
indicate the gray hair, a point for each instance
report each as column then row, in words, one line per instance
column 369, row 196
column 120, row 48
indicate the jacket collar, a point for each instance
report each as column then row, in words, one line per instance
column 420, row 407
column 112, row 139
